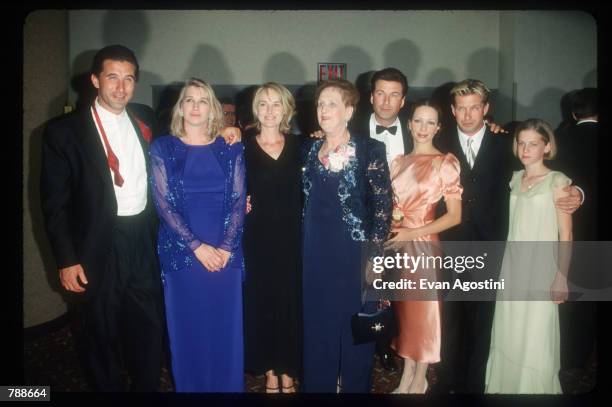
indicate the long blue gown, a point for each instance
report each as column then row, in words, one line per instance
column 331, row 294
column 204, row 309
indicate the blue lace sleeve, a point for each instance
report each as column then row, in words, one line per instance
column 379, row 193
column 305, row 146
column 167, row 200
column 234, row 220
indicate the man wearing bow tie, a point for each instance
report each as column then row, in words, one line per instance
column 387, row 124
column 388, row 121
column 101, row 223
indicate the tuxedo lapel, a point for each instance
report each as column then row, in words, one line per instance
column 93, row 148
column 406, row 137
column 143, row 142
column 361, row 127
column 407, row 141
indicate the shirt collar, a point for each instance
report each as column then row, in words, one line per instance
column 476, row 137
column 374, row 123
column 586, row 121
column 108, row 116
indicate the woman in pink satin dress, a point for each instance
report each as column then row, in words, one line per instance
column 419, row 180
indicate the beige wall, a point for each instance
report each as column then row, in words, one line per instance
column 531, row 57
column 250, row 47
column 45, row 90
column 558, row 54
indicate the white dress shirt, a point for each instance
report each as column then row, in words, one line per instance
column 463, row 140
column 394, row 143
column 123, row 140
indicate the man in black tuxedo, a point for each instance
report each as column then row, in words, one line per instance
column 387, row 124
column 388, row 121
column 486, row 163
column 486, row 167
column 100, row 219
column 577, row 155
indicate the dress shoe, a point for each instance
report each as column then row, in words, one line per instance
column 288, row 389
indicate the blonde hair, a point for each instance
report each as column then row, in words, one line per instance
column 287, row 101
column 471, row 87
column 543, row 129
column 215, row 115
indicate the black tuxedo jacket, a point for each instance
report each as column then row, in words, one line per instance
column 78, row 200
column 577, row 152
column 485, row 198
column 361, row 126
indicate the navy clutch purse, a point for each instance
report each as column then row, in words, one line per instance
column 377, row 326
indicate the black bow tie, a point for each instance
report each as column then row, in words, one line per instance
column 380, row 129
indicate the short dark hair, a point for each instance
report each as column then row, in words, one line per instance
column 428, row 103
column 391, row 75
column 226, row 101
column 584, row 103
column 116, row 53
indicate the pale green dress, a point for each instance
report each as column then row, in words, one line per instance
column 524, row 357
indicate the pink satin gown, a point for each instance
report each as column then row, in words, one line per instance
column 419, row 181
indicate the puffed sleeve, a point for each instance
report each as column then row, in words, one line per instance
column 451, row 181
column 514, row 183
column 235, row 219
column 560, row 180
column 165, row 201
column 379, row 191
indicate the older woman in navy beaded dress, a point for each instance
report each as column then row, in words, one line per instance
column 347, row 203
column 199, row 187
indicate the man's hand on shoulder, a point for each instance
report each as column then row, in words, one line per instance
column 317, row 134
column 495, row 128
column 231, row 135
column 571, row 202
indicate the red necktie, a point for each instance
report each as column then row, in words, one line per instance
column 113, row 161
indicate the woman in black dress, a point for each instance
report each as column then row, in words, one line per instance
column 271, row 243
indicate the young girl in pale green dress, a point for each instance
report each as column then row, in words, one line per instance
column 524, row 357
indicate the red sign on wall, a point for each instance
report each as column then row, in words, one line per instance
column 328, row 70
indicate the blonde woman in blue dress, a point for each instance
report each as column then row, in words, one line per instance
column 524, row 357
